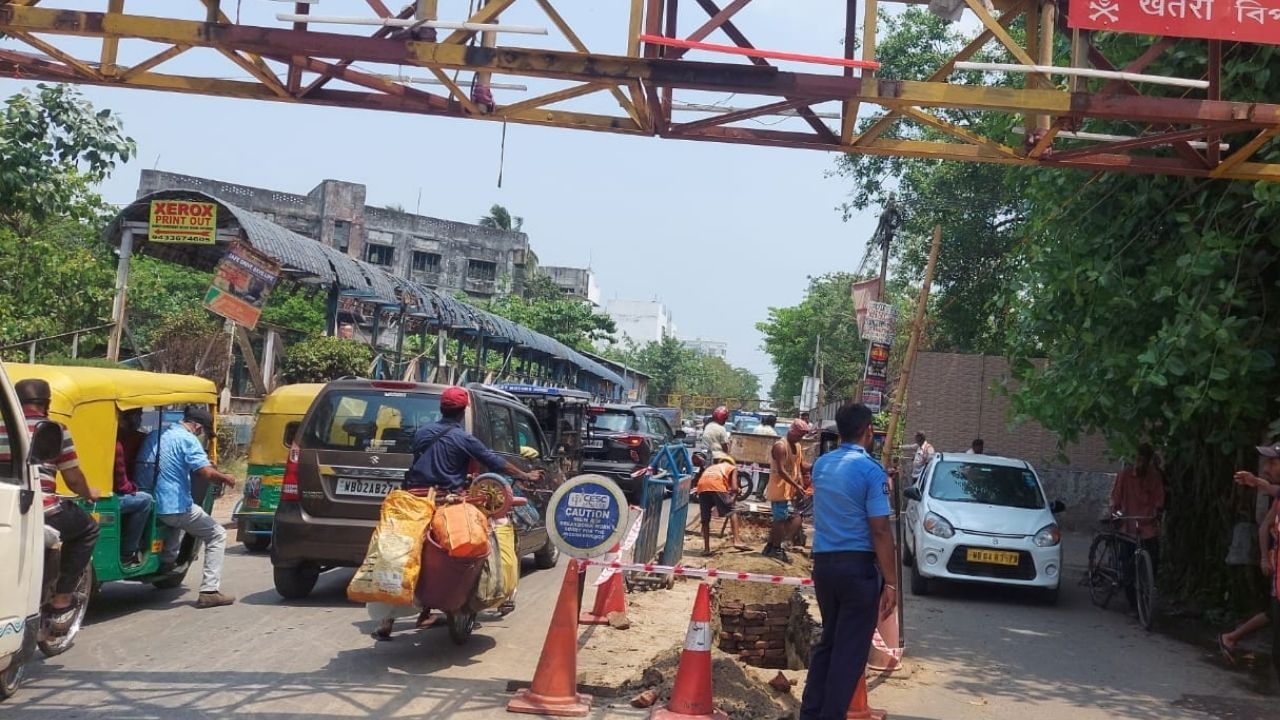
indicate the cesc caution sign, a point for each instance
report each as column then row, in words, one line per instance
column 183, row 221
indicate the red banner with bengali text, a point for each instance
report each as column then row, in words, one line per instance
column 1253, row 21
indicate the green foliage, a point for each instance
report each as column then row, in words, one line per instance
column 546, row 309
column 791, row 335
column 54, row 147
column 499, row 218
column 676, row 370
column 980, row 206
column 296, row 311
column 321, row 359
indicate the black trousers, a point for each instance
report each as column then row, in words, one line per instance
column 79, row 534
column 848, row 589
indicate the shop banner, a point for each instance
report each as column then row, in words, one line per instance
column 1256, row 21
column 241, row 283
column 183, row 222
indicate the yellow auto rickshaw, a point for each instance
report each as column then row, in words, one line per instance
column 278, row 420
column 89, row 401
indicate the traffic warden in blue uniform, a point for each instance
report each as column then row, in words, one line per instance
column 854, row 572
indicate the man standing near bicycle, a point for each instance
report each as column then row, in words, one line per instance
column 1139, row 493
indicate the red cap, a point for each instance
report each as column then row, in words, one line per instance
column 454, row 398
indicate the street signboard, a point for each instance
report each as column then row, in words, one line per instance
column 586, row 516
column 1255, row 21
column 183, row 222
column 880, row 322
column 241, row 283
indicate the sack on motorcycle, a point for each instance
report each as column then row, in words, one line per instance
column 393, row 561
column 501, row 571
column 462, row 530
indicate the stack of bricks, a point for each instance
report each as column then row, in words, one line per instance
column 756, row 633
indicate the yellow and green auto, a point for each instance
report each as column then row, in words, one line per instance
column 88, row 401
column 278, row 420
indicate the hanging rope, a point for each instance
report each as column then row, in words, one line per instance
column 502, row 154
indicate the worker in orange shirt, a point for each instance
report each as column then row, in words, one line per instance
column 716, row 495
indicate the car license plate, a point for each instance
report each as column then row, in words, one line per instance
column 991, row 557
column 365, row 488
column 594, row 444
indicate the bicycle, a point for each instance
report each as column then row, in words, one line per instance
column 1117, row 561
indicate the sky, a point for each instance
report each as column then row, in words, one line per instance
column 719, row 233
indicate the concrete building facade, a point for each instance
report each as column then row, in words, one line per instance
column 710, row 348
column 642, row 321
column 577, row 282
column 441, row 254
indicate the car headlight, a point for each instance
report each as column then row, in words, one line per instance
column 935, row 524
column 1048, row 536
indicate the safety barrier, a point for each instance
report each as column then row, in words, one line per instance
column 670, row 477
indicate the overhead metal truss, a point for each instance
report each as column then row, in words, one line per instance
column 331, row 65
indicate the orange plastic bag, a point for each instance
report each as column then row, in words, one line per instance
column 393, row 561
column 462, row 530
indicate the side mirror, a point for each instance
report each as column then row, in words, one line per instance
column 46, row 441
column 913, row 493
column 1057, row 506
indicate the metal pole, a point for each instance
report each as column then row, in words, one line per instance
column 269, row 360
column 122, row 291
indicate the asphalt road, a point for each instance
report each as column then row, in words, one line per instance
column 148, row 653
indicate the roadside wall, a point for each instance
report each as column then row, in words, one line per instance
column 954, row 398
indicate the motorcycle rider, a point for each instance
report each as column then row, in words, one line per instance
column 715, row 436
column 78, row 529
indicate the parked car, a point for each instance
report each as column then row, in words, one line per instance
column 354, row 446
column 621, row 440
column 984, row 519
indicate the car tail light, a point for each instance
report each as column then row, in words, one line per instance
column 393, row 385
column 631, row 441
column 596, row 410
column 289, row 486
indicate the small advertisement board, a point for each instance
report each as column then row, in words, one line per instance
column 587, row 516
column 241, row 283
column 183, row 222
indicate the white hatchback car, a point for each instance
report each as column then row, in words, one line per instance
column 984, row 519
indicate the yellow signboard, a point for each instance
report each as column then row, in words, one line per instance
column 183, row 221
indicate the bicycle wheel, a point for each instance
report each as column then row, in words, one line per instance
column 1144, row 582
column 1102, row 576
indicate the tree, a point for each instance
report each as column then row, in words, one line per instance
column 979, row 206
column 499, row 218
column 546, row 309
column 677, row 370
column 791, row 336
column 54, row 147
column 321, row 359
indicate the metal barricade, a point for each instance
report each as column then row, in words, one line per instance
column 670, row 478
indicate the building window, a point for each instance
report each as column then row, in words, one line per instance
column 341, row 234
column 425, row 261
column 380, row 254
column 482, row 270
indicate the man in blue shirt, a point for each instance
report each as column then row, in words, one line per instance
column 443, row 451
column 166, row 461
column 854, row 572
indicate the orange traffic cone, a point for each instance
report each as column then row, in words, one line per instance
column 555, row 683
column 691, row 696
column 609, row 596
column 859, row 709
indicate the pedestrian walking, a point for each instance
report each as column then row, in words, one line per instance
column 855, row 575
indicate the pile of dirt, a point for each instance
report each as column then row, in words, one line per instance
column 608, row 659
column 740, row 691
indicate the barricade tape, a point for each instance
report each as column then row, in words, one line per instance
column 709, row 573
column 878, row 643
column 628, row 542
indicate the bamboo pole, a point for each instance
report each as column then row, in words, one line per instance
column 917, row 327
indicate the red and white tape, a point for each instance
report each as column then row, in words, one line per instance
column 709, row 573
column 627, row 543
column 878, row 643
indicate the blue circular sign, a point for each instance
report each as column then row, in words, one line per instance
column 586, row 516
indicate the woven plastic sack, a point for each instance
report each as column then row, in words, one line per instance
column 501, row 571
column 462, row 530
column 393, row 561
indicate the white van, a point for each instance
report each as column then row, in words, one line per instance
column 21, row 542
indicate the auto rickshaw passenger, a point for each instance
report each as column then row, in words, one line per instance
column 168, row 458
column 135, row 504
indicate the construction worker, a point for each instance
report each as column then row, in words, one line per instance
column 716, row 495
column 786, row 467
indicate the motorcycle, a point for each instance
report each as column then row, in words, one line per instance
column 55, row 638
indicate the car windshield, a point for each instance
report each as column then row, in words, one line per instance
column 369, row 420
column 987, row 484
column 615, row 421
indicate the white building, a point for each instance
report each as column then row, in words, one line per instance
column 710, row 348
column 642, row 321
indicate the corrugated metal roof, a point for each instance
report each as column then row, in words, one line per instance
column 307, row 260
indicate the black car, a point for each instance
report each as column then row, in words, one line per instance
column 354, row 446
column 621, row 440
